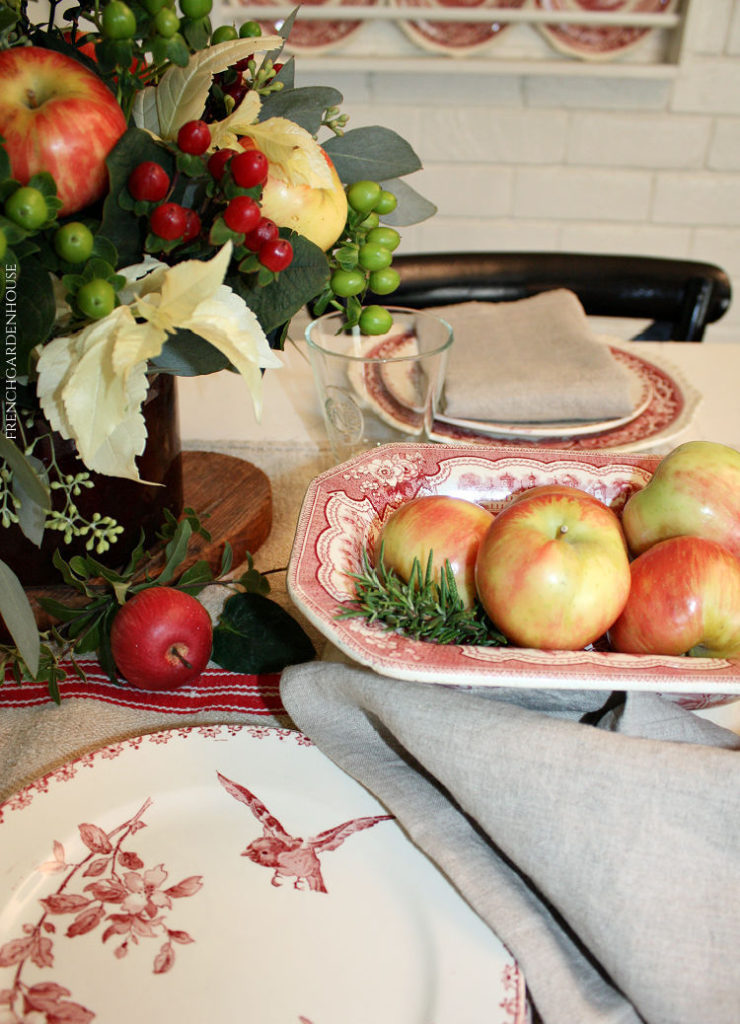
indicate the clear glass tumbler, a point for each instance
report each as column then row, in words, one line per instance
column 374, row 389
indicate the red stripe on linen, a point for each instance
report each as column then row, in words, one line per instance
column 214, row 690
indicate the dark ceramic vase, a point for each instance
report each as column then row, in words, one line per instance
column 134, row 506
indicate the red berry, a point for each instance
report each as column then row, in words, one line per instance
column 249, row 169
column 276, row 255
column 168, row 221
column 194, row 137
column 217, row 162
column 266, row 231
column 192, row 226
column 149, row 181
column 242, row 214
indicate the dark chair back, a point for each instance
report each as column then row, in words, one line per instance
column 679, row 297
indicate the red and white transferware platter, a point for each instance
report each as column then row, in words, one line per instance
column 231, row 873
column 345, row 508
column 599, row 42
column 314, row 36
column 669, row 410
column 455, row 37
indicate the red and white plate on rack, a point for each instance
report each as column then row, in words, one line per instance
column 345, row 508
column 454, row 37
column 231, row 873
column 314, row 36
column 599, row 42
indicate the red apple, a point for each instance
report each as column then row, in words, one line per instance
column 552, row 571
column 452, row 528
column 161, row 638
column 57, row 116
column 694, row 492
column 685, row 598
column 319, row 214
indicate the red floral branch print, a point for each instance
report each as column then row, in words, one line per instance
column 130, row 898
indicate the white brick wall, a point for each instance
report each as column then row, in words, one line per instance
column 644, row 165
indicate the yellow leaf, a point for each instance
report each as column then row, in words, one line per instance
column 169, row 296
column 182, row 92
column 293, row 153
column 84, row 399
column 225, row 134
column 230, row 326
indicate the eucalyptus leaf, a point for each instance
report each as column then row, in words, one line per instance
column 412, row 207
column 304, row 106
column 188, row 355
column 276, row 303
column 18, row 616
column 373, row 154
column 31, row 513
column 175, row 551
column 25, row 472
column 254, row 634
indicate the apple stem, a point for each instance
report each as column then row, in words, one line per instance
column 563, row 528
column 175, row 653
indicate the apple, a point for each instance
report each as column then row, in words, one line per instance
column 552, row 571
column 685, row 598
column 451, row 528
column 57, row 116
column 161, row 638
column 695, row 491
column 531, row 492
column 319, row 214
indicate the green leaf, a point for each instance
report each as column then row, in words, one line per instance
column 34, row 315
column 32, row 514
column 278, row 302
column 304, row 106
column 188, row 355
column 175, row 552
column 372, row 154
column 254, row 635
column 17, row 613
column 412, row 207
column 124, row 231
column 195, row 577
column 8, row 18
column 4, row 161
column 25, row 472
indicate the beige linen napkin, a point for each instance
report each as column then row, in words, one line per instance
column 535, row 360
column 607, row 859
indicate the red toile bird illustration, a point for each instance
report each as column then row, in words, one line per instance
column 292, row 856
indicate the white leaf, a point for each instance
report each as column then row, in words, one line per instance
column 144, row 111
column 182, row 92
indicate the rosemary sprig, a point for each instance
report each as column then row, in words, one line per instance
column 423, row 608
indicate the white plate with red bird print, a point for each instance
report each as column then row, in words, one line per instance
column 231, row 873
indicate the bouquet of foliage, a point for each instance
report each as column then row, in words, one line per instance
column 168, row 201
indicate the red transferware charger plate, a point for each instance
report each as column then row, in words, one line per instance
column 599, row 42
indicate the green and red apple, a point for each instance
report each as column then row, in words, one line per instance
column 695, row 491
column 449, row 527
column 553, row 571
column 57, row 116
column 684, row 599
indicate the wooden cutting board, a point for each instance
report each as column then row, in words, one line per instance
column 233, row 500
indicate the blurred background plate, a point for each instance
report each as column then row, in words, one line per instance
column 314, row 36
column 599, row 42
column 454, row 36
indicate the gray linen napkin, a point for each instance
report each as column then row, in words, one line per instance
column 534, row 360
column 607, row 859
